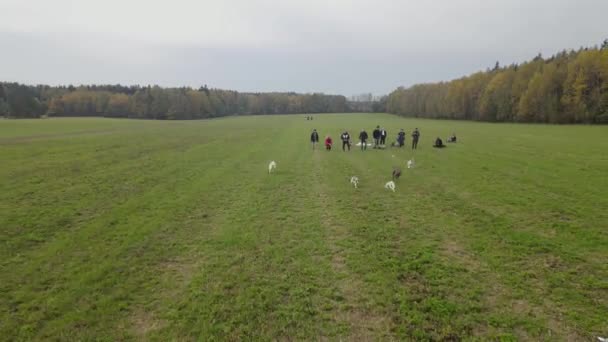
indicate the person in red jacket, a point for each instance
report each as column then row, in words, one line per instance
column 328, row 143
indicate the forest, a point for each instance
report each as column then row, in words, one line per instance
column 568, row 87
column 154, row 102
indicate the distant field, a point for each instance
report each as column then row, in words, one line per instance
column 147, row 230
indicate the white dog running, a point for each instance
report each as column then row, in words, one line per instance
column 272, row 166
column 411, row 163
column 390, row 185
column 354, row 180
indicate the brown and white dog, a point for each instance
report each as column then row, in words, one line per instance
column 396, row 173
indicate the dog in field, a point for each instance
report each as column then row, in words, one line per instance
column 272, row 166
column 354, row 180
column 411, row 163
column 396, row 173
column 390, row 185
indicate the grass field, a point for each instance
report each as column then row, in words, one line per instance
column 147, row 230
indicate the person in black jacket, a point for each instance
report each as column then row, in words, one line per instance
column 363, row 138
column 401, row 138
column 415, row 137
column 383, row 137
column 314, row 138
column 376, row 135
column 345, row 140
column 439, row 143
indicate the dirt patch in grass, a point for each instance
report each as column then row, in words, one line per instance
column 180, row 270
column 455, row 251
column 144, row 322
column 179, row 273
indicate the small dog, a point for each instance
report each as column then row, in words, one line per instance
column 396, row 173
column 272, row 166
column 411, row 163
column 390, row 185
column 354, row 180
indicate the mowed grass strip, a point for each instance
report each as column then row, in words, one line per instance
column 121, row 229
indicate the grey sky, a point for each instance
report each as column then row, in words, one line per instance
column 340, row 47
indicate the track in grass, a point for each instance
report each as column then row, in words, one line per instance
column 120, row 229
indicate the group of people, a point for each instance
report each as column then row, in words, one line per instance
column 345, row 137
column 379, row 135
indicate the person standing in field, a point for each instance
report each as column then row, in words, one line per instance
column 415, row 137
column 345, row 140
column 314, row 138
column 401, row 138
column 328, row 143
column 376, row 135
column 383, row 137
column 363, row 138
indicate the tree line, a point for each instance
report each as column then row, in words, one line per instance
column 154, row 102
column 569, row 87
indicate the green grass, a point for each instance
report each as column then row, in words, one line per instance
column 146, row 230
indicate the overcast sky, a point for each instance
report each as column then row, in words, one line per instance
column 339, row 47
